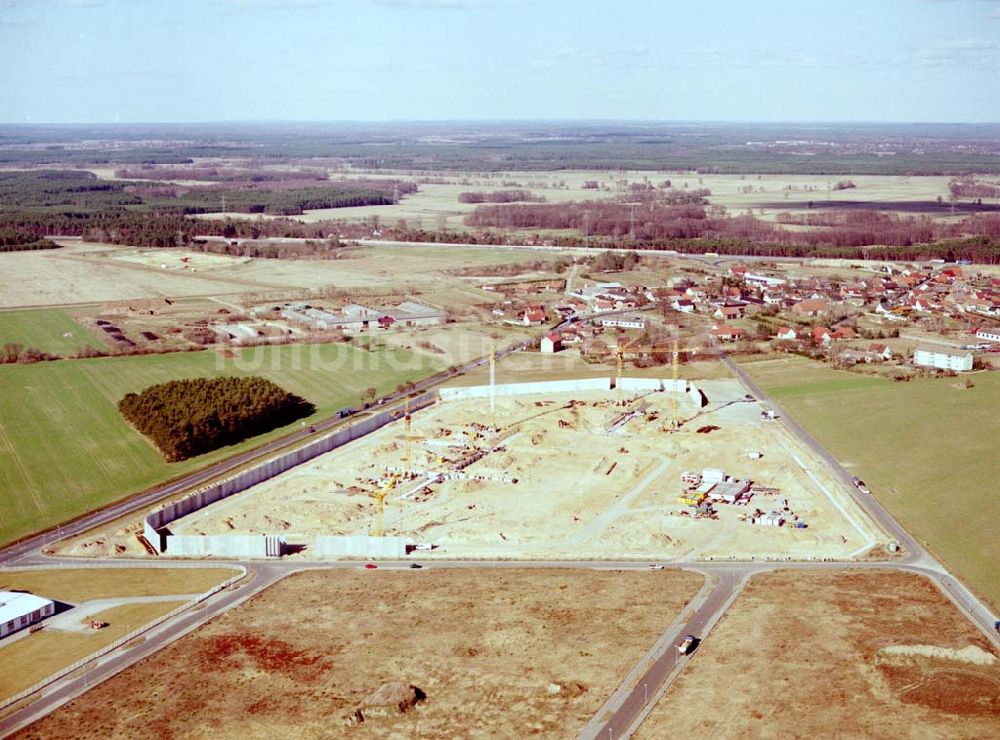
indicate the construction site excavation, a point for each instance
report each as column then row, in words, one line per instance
column 570, row 469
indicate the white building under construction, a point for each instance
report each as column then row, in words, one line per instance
column 19, row 610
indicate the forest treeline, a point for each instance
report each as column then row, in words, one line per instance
column 500, row 196
column 185, row 418
column 80, row 191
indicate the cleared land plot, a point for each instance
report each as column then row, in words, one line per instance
column 125, row 598
column 65, row 449
column 498, row 654
column 50, row 330
column 845, row 654
column 927, row 449
column 566, row 475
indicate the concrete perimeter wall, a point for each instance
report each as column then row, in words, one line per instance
column 331, row 546
column 155, row 521
column 527, row 389
column 665, row 384
column 225, row 545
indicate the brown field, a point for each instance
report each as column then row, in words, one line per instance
column 837, row 654
column 498, row 654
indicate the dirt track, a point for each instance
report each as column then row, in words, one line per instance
column 844, row 654
column 499, row 654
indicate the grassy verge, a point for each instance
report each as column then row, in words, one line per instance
column 30, row 659
column 65, row 450
column 73, row 585
column 926, row 448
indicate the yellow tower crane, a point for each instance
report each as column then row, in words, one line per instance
column 675, row 372
column 378, row 530
column 493, row 384
column 406, row 437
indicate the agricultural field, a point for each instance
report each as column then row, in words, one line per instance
column 436, row 205
column 53, row 330
column 125, row 598
column 84, row 272
column 507, row 654
column 847, row 653
column 557, row 475
column 924, row 447
column 65, row 450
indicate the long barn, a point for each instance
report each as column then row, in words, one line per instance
column 19, row 610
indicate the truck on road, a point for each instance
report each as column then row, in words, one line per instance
column 687, row 644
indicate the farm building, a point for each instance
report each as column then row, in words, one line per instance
column 551, row 343
column 727, row 333
column 623, row 322
column 942, row 359
column 19, row 610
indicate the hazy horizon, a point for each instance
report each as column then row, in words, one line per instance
column 379, row 61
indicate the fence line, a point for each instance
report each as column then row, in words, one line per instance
column 121, row 640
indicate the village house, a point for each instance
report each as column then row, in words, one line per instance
column 727, row 333
column 811, row 307
column 551, row 343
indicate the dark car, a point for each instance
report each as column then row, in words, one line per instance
column 416, row 566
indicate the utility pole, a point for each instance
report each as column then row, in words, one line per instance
column 493, row 384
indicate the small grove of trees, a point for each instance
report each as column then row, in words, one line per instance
column 615, row 261
column 12, row 353
column 500, row 196
column 184, row 418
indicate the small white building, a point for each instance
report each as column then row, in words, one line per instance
column 623, row 322
column 551, row 343
column 713, row 475
column 943, row 359
column 19, row 610
column 990, row 335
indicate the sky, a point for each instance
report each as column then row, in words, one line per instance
column 404, row 60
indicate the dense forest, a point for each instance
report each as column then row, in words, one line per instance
column 185, row 418
column 80, row 191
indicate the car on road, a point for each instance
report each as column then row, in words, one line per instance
column 860, row 485
column 370, row 566
column 687, row 645
column 656, row 566
column 416, row 566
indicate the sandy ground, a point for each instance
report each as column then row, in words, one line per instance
column 580, row 491
column 836, row 654
column 498, row 654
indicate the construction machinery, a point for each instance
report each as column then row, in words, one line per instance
column 675, row 372
column 378, row 530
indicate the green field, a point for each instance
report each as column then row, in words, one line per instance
column 65, row 450
column 927, row 449
column 46, row 329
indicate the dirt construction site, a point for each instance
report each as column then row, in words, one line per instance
column 566, row 475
